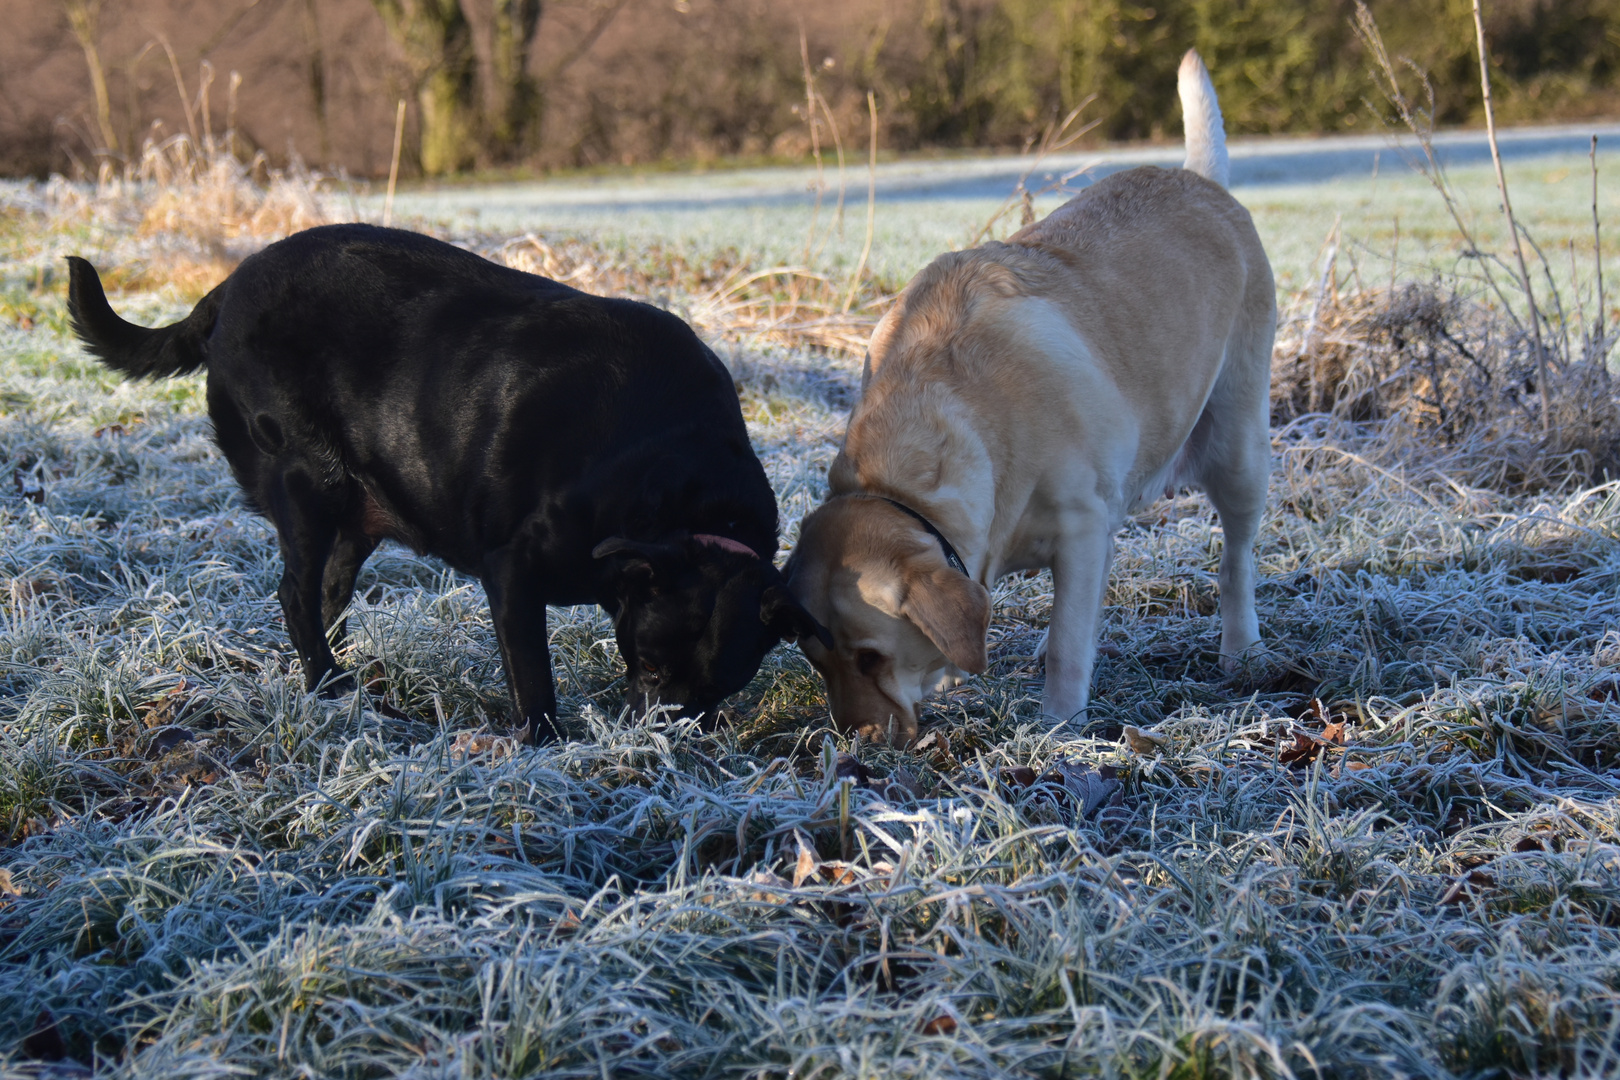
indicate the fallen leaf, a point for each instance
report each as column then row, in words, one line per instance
column 1474, row 879
column 899, row 786
column 837, row 873
column 944, row 1024
column 1019, row 776
column 469, row 743
column 165, row 710
column 1308, row 744
column 773, row 882
column 940, row 745
column 567, row 923
column 806, row 866
column 1089, row 789
column 168, row 739
column 1145, row 743
column 6, row 886
column 1357, row 766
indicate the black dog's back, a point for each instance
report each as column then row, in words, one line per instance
column 370, row 383
column 435, row 374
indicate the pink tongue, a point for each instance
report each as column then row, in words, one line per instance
column 725, row 543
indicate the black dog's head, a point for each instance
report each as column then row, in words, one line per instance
column 696, row 616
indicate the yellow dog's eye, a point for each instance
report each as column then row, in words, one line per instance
column 868, row 660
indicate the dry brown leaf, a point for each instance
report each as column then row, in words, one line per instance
column 1308, row 744
column 837, row 873
column 936, row 745
column 944, row 1024
column 1143, row 742
column 469, row 743
column 771, row 887
column 806, row 866
column 166, row 709
column 7, row 888
column 1019, row 776
column 1469, row 882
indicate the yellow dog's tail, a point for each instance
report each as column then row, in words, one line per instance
column 1201, row 120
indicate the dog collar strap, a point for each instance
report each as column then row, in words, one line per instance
column 725, row 543
column 952, row 559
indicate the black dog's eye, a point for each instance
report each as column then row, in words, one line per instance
column 868, row 660
column 650, row 668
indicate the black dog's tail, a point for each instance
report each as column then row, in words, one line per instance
column 138, row 352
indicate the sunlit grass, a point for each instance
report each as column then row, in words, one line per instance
column 212, row 873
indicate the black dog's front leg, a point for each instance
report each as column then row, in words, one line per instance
column 520, row 628
column 304, row 556
column 349, row 552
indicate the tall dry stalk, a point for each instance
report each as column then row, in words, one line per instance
column 1513, row 225
column 84, row 17
column 1419, row 121
column 393, row 165
column 871, row 201
column 1599, row 349
column 1056, row 138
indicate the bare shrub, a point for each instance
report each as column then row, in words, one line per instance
column 189, row 208
column 1439, row 378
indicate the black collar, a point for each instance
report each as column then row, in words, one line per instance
column 952, row 559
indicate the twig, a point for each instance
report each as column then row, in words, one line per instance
column 180, row 85
column 1513, row 225
column 1601, row 346
column 838, row 148
column 1421, row 125
column 393, row 167
column 1056, row 138
column 810, row 115
column 871, row 200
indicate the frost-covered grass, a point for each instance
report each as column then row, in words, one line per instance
column 1390, row 847
column 1553, row 194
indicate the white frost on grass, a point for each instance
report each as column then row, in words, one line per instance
column 210, row 873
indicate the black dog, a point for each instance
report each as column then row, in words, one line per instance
column 563, row 448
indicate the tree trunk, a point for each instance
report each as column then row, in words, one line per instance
column 317, row 74
column 512, row 95
column 437, row 43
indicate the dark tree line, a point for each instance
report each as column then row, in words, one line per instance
column 546, row 83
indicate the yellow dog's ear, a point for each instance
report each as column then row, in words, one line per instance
column 954, row 611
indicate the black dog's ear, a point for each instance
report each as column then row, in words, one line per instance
column 618, row 545
column 636, row 564
column 788, row 618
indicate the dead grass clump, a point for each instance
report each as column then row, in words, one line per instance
column 187, row 211
column 724, row 296
column 1430, row 375
column 213, row 197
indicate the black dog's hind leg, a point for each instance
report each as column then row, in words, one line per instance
column 306, row 520
column 520, row 628
column 349, row 551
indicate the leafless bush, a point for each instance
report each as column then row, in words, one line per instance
column 1434, row 375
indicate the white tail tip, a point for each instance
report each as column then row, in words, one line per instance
column 1201, row 120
